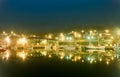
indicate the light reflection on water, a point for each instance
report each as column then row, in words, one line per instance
column 74, row 56
column 22, row 58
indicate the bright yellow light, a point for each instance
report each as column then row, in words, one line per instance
column 82, row 61
column 61, row 57
column 107, row 31
column 44, row 53
column 44, row 42
column 112, row 58
column 46, row 36
column 79, row 57
column 56, row 38
column 72, row 59
column 31, row 54
column 7, row 55
column 100, row 59
column 94, row 30
column 110, row 44
column 22, row 41
column 61, row 34
column 4, row 32
column 12, row 32
column 62, row 37
column 49, row 56
column 118, row 32
column 21, row 55
column 111, row 37
column 79, row 35
column 107, row 62
column 70, row 55
column 50, row 36
column 75, row 34
column 100, row 34
column 91, row 31
column 62, row 54
column 75, row 59
column 7, row 39
column 82, row 31
column 91, row 61
column 72, row 31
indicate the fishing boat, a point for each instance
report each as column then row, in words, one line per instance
column 2, row 49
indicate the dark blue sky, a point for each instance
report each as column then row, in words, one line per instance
column 57, row 15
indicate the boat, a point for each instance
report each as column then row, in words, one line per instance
column 95, row 47
column 2, row 49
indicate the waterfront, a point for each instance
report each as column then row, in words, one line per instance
column 91, row 53
column 29, row 63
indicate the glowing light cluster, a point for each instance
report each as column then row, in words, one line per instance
column 22, row 41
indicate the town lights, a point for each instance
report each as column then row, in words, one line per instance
column 22, row 41
column 77, row 35
column 62, row 37
column 69, row 38
column 7, row 40
column 44, row 42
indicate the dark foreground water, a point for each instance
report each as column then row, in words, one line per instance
column 43, row 66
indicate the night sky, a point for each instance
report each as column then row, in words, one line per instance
column 58, row 15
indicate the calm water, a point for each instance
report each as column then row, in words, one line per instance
column 36, row 63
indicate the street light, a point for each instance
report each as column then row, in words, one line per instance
column 4, row 33
column 12, row 32
column 107, row 31
column 82, row 31
column 50, row 36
